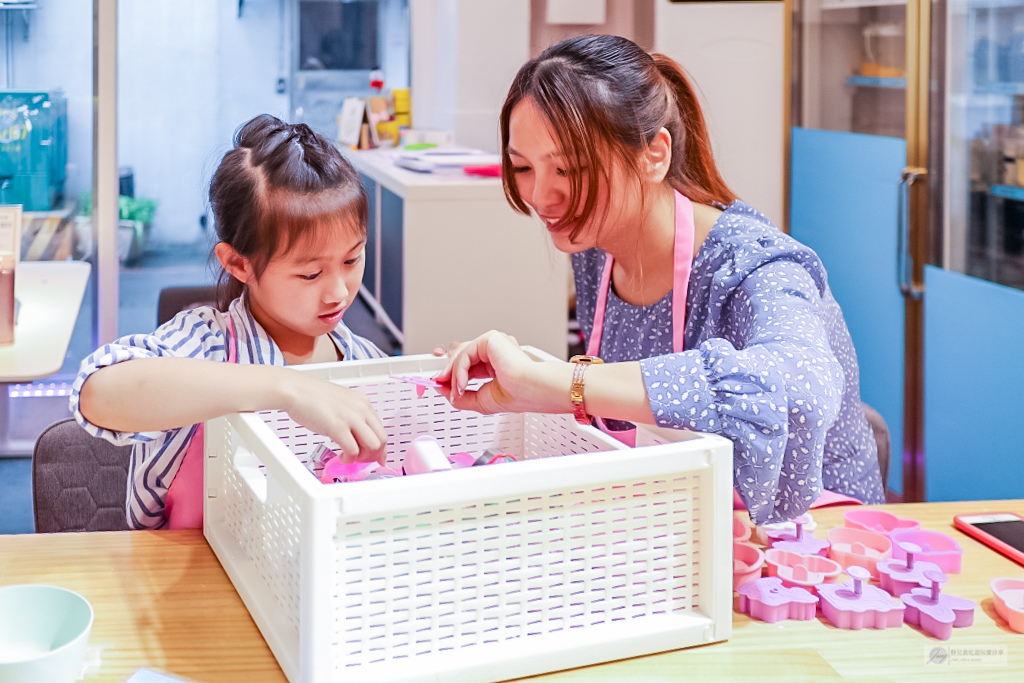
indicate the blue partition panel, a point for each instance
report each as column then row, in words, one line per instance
column 973, row 388
column 843, row 205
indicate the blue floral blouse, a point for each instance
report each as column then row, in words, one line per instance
column 767, row 362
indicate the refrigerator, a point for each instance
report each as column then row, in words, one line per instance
column 906, row 175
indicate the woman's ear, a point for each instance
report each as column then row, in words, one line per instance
column 236, row 264
column 659, row 156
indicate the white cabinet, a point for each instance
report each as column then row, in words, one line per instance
column 448, row 259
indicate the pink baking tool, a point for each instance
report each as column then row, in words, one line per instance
column 855, row 604
column 761, row 533
column 798, row 541
column 747, row 561
column 901, row 576
column 740, row 530
column 935, row 547
column 859, row 547
column 769, row 600
column 421, row 383
column 1008, row 596
column 879, row 521
column 335, row 470
column 937, row 613
column 802, row 571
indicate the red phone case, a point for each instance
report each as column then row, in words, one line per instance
column 991, row 541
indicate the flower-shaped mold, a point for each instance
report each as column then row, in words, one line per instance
column 761, row 532
column 797, row 541
column 937, row 613
column 740, row 530
column 855, row 604
column 1008, row 594
column 901, row 576
column 747, row 561
column 859, row 547
column 804, row 571
column 768, row 600
column 879, row 521
column 935, row 547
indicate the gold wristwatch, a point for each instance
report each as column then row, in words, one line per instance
column 576, row 390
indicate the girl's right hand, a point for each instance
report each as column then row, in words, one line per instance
column 344, row 415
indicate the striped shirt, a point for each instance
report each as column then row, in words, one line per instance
column 195, row 333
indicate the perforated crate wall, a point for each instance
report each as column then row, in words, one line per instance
column 476, row 574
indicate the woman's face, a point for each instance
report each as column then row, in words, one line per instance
column 541, row 175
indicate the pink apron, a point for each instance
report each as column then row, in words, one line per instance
column 682, row 264
column 183, row 506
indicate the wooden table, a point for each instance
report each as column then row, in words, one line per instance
column 163, row 601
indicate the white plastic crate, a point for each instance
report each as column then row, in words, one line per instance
column 478, row 574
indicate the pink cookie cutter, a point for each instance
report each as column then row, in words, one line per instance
column 769, row 600
column 902, row 576
column 337, row 471
column 937, row 613
column 935, row 547
column 747, row 561
column 421, row 383
column 740, row 530
column 855, row 604
column 798, row 541
column 879, row 521
column 859, row 547
column 1008, row 596
column 802, row 571
column 760, row 534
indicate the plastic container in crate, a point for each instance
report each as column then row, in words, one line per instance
column 584, row 552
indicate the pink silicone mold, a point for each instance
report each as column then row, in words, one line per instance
column 798, row 541
column 855, row 604
column 804, row 571
column 879, row 521
column 937, row 613
column 740, row 530
column 859, row 547
column 768, row 600
column 902, row 576
column 935, row 547
column 762, row 532
column 747, row 561
column 1008, row 594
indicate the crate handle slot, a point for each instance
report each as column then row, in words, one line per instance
column 249, row 469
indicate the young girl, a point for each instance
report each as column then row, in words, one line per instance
column 290, row 215
column 710, row 317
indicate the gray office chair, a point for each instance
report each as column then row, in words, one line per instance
column 79, row 482
column 175, row 299
column 881, row 432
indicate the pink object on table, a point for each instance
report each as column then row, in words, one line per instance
column 855, row 604
column 747, row 561
column 798, row 541
column 901, row 576
column 335, row 470
column 769, row 600
column 421, row 383
column 935, row 547
column 740, row 530
column 935, row 612
column 803, row 571
column 1008, row 596
column 859, row 547
column 879, row 521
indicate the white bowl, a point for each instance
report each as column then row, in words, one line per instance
column 43, row 633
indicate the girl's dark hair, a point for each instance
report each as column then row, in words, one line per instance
column 604, row 95
column 281, row 183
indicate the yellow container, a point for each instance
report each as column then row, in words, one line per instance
column 401, row 101
column 403, row 120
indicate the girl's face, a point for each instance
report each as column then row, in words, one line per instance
column 542, row 178
column 304, row 292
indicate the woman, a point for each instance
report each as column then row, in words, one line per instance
column 707, row 317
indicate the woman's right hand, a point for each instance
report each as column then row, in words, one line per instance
column 344, row 415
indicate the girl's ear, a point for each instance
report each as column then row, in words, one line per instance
column 233, row 262
column 659, row 156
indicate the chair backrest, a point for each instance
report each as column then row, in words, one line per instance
column 79, row 482
column 175, row 299
column 881, row 433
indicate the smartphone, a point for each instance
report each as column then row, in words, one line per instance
column 1001, row 531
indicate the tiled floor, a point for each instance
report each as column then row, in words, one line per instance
column 140, row 287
